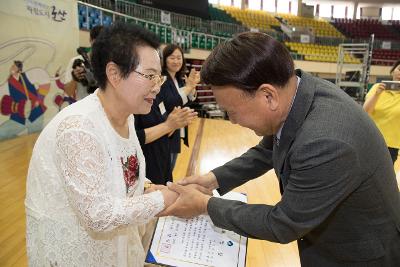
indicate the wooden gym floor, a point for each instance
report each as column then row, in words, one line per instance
column 217, row 142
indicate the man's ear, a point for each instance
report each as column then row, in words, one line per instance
column 113, row 74
column 270, row 95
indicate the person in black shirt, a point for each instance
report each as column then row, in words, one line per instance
column 153, row 130
column 177, row 90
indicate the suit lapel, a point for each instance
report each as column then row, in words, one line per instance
column 295, row 119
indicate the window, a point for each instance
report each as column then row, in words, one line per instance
column 358, row 12
column 339, row 11
column 396, row 13
column 269, row 5
column 325, row 10
column 255, row 4
column 350, row 11
column 387, row 13
column 237, row 3
column 225, row 2
column 283, row 6
column 294, row 7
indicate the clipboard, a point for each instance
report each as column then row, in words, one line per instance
column 197, row 242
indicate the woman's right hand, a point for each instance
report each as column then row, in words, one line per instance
column 180, row 117
column 193, row 79
column 370, row 102
column 381, row 87
column 169, row 197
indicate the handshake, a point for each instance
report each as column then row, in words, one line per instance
column 189, row 197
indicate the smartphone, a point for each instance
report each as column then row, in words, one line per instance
column 392, row 85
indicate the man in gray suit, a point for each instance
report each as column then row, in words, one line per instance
column 340, row 198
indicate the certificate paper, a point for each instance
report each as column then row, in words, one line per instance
column 197, row 242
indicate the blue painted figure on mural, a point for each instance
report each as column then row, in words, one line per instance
column 24, row 104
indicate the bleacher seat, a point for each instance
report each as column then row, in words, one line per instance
column 320, row 27
column 385, row 57
column 363, row 28
column 220, row 15
column 320, row 53
column 252, row 18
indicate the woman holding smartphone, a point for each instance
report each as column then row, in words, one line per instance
column 383, row 105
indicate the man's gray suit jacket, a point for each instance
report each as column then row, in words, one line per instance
column 340, row 198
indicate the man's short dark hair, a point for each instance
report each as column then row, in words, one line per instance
column 95, row 31
column 118, row 43
column 247, row 61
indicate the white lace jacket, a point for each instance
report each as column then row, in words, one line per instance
column 79, row 211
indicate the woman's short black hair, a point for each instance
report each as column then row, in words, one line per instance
column 167, row 51
column 247, row 61
column 395, row 65
column 118, row 43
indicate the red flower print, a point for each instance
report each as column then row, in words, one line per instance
column 131, row 170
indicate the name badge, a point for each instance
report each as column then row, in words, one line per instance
column 162, row 108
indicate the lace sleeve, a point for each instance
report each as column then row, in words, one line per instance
column 82, row 163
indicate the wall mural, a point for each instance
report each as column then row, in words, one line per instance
column 31, row 68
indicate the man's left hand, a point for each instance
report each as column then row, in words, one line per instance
column 190, row 203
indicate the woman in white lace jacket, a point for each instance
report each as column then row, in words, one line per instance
column 85, row 201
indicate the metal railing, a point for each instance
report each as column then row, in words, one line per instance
column 223, row 27
column 181, row 21
column 185, row 39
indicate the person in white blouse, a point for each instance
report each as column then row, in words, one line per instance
column 85, row 199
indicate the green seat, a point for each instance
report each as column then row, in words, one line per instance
column 209, row 45
column 128, row 20
column 163, row 37
column 214, row 43
column 161, row 30
column 151, row 27
column 186, row 44
column 202, row 42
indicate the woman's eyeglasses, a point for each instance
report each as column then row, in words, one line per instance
column 158, row 80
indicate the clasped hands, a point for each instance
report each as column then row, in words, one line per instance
column 180, row 117
column 187, row 198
